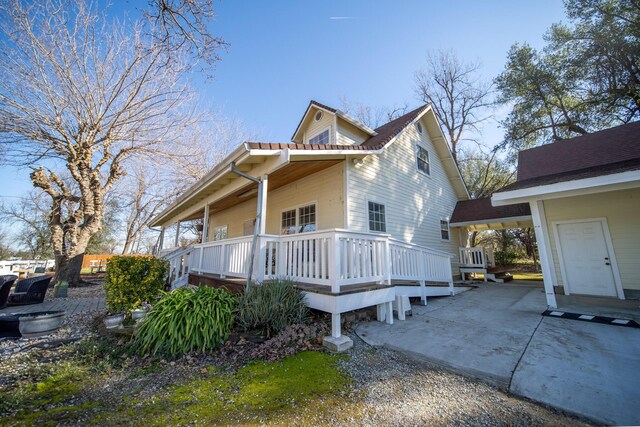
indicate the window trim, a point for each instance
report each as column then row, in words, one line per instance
column 297, row 207
column 418, row 147
column 377, row 202
column 328, row 130
column 219, row 227
column 445, row 219
column 253, row 224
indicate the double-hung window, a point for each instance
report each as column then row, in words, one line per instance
column 299, row 220
column 322, row 138
column 422, row 159
column 377, row 218
column 444, row 229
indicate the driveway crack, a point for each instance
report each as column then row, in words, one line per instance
column 523, row 352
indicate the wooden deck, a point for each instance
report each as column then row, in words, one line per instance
column 70, row 305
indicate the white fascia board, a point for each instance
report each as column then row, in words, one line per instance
column 491, row 221
column 347, row 118
column 260, row 152
column 578, row 187
column 336, row 152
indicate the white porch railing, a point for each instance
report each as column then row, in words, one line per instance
column 418, row 263
column 334, row 258
column 179, row 262
column 476, row 257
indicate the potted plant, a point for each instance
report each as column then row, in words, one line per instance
column 140, row 311
column 112, row 321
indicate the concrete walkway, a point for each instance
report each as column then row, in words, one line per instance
column 496, row 333
column 70, row 305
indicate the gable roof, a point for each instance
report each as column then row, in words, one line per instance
column 386, row 132
column 608, row 151
column 371, row 146
column 344, row 116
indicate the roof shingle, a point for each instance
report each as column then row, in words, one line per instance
column 386, row 132
column 478, row 210
column 609, row 146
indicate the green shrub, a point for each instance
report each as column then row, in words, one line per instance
column 506, row 257
column 132, row 279
column 271, row 307
column 186, row 320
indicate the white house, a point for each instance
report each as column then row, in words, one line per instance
column 357, row 216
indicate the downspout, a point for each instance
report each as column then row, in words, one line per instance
column 256, row 227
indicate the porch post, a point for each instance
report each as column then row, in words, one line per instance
column 546, row 260
column 161, row 239
column 177, row 235
column 263, row 205
column 205, row 224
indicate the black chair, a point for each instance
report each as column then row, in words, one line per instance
column 6, row 282
column 30, row 291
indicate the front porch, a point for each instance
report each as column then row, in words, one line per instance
column 338, row 270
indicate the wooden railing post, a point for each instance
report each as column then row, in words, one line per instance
column 335, row 265
column 387, row 261
column 258, row 270
column 200, row 260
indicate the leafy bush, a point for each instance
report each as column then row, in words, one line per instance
column 271, row 307
column 505, row 257
column 186, row 320
column 132, row 279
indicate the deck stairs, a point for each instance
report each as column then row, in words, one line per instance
column 480, row 259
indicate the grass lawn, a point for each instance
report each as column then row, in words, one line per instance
column 527, row 276
column 308, row 386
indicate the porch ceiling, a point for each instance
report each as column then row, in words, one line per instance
column 497, row 224
column 293, row 171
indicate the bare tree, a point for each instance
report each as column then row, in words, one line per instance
column 147, row 190
column 142, row 199
column 31, row 216
column 369, row 116
column 84, row 94
column 459, row 98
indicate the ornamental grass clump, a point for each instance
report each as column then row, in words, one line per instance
column 185, row 321
column 271, row 307
column 131, row 279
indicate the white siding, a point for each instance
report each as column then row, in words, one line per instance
column 315, row 127
column 415, row 203
column 348, row 134
column 621, row 209
column 324, row 188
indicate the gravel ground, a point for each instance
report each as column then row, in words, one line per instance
column 400, row 391
column 73, row 328
column 389, row 388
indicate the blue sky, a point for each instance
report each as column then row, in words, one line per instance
column 284, row 53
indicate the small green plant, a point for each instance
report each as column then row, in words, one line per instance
column 186, row 320
column 505, row 257
column 131, row 279
column 271, row 307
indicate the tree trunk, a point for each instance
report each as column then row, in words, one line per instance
column 68, row 269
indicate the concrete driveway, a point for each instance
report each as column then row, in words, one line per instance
column 496, row 333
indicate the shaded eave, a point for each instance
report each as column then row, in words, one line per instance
column 246, row 155
column 248, row 151
column 480, row 214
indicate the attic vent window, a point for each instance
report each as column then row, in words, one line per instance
column 322, row 138
column 318, row 116
column 419, row 127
